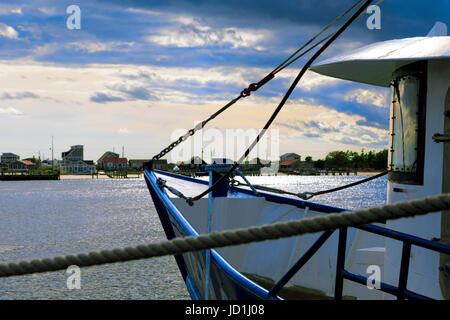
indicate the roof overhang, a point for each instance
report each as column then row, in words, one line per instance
column 375, row 63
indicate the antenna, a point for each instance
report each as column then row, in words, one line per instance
column 53, row 158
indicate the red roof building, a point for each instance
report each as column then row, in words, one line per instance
column 290, row 163
column 116, row 163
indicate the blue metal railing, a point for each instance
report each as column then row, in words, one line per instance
column 401, row 291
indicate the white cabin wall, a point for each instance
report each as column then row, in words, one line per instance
column 226, row 214
column 423, row 275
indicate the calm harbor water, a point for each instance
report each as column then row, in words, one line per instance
column 47, row 218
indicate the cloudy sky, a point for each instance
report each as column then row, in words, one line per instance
column 139, row 71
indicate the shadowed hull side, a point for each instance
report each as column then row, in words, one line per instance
column 225, row 282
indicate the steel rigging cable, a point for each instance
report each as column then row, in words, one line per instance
column 255, row 86
column 190, row 201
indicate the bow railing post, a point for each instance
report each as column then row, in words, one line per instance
column 340, row 263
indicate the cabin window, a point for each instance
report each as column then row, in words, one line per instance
column 405, row 124
column 407, row 127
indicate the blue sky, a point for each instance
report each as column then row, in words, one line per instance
column 137, row 71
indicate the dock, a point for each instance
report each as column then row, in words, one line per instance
column 28, row 176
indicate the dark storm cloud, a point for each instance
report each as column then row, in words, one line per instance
column 399, row 18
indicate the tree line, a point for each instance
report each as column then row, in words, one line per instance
column 353, row 160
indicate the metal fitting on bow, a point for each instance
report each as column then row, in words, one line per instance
column 306, row 195
column 255, row 86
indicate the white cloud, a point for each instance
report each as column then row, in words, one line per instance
column 313, row 81
column 8, row 31
column 375, row 97
column 96, row 46
column 17, row 10
column 190, row 32
column 11, row 112
column 64, row 103
column 88, row 46
column 310, row 81
column 47, row 11
column 313, row 122
column 8, row 9
column 123, row 131
column 143, row 11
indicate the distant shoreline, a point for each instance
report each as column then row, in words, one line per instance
column 81, row 176
column 369, row 172
column 89, row 176
column 337, row 173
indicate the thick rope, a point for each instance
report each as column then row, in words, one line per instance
column 234, row 237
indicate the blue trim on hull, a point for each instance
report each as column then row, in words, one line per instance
column 400, row 291
column 225, row 281
column 240, row 192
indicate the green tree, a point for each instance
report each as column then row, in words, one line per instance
column 351, row 159
column 337, row 159
column 319, row 164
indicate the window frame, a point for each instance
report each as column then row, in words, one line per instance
column 418, row 70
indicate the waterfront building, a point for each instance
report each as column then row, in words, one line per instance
column 138, row 164
column 116, row 164
column 72, row 162
column 297, row 165
column 74, row 154
column 3, row 167
column 76, row 167
column 290, row 156
column 101, row 165
column 9, row 157
column 21, row 166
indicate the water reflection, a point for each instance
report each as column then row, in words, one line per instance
column 47, row 218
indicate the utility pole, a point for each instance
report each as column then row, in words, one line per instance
column 53, row 158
